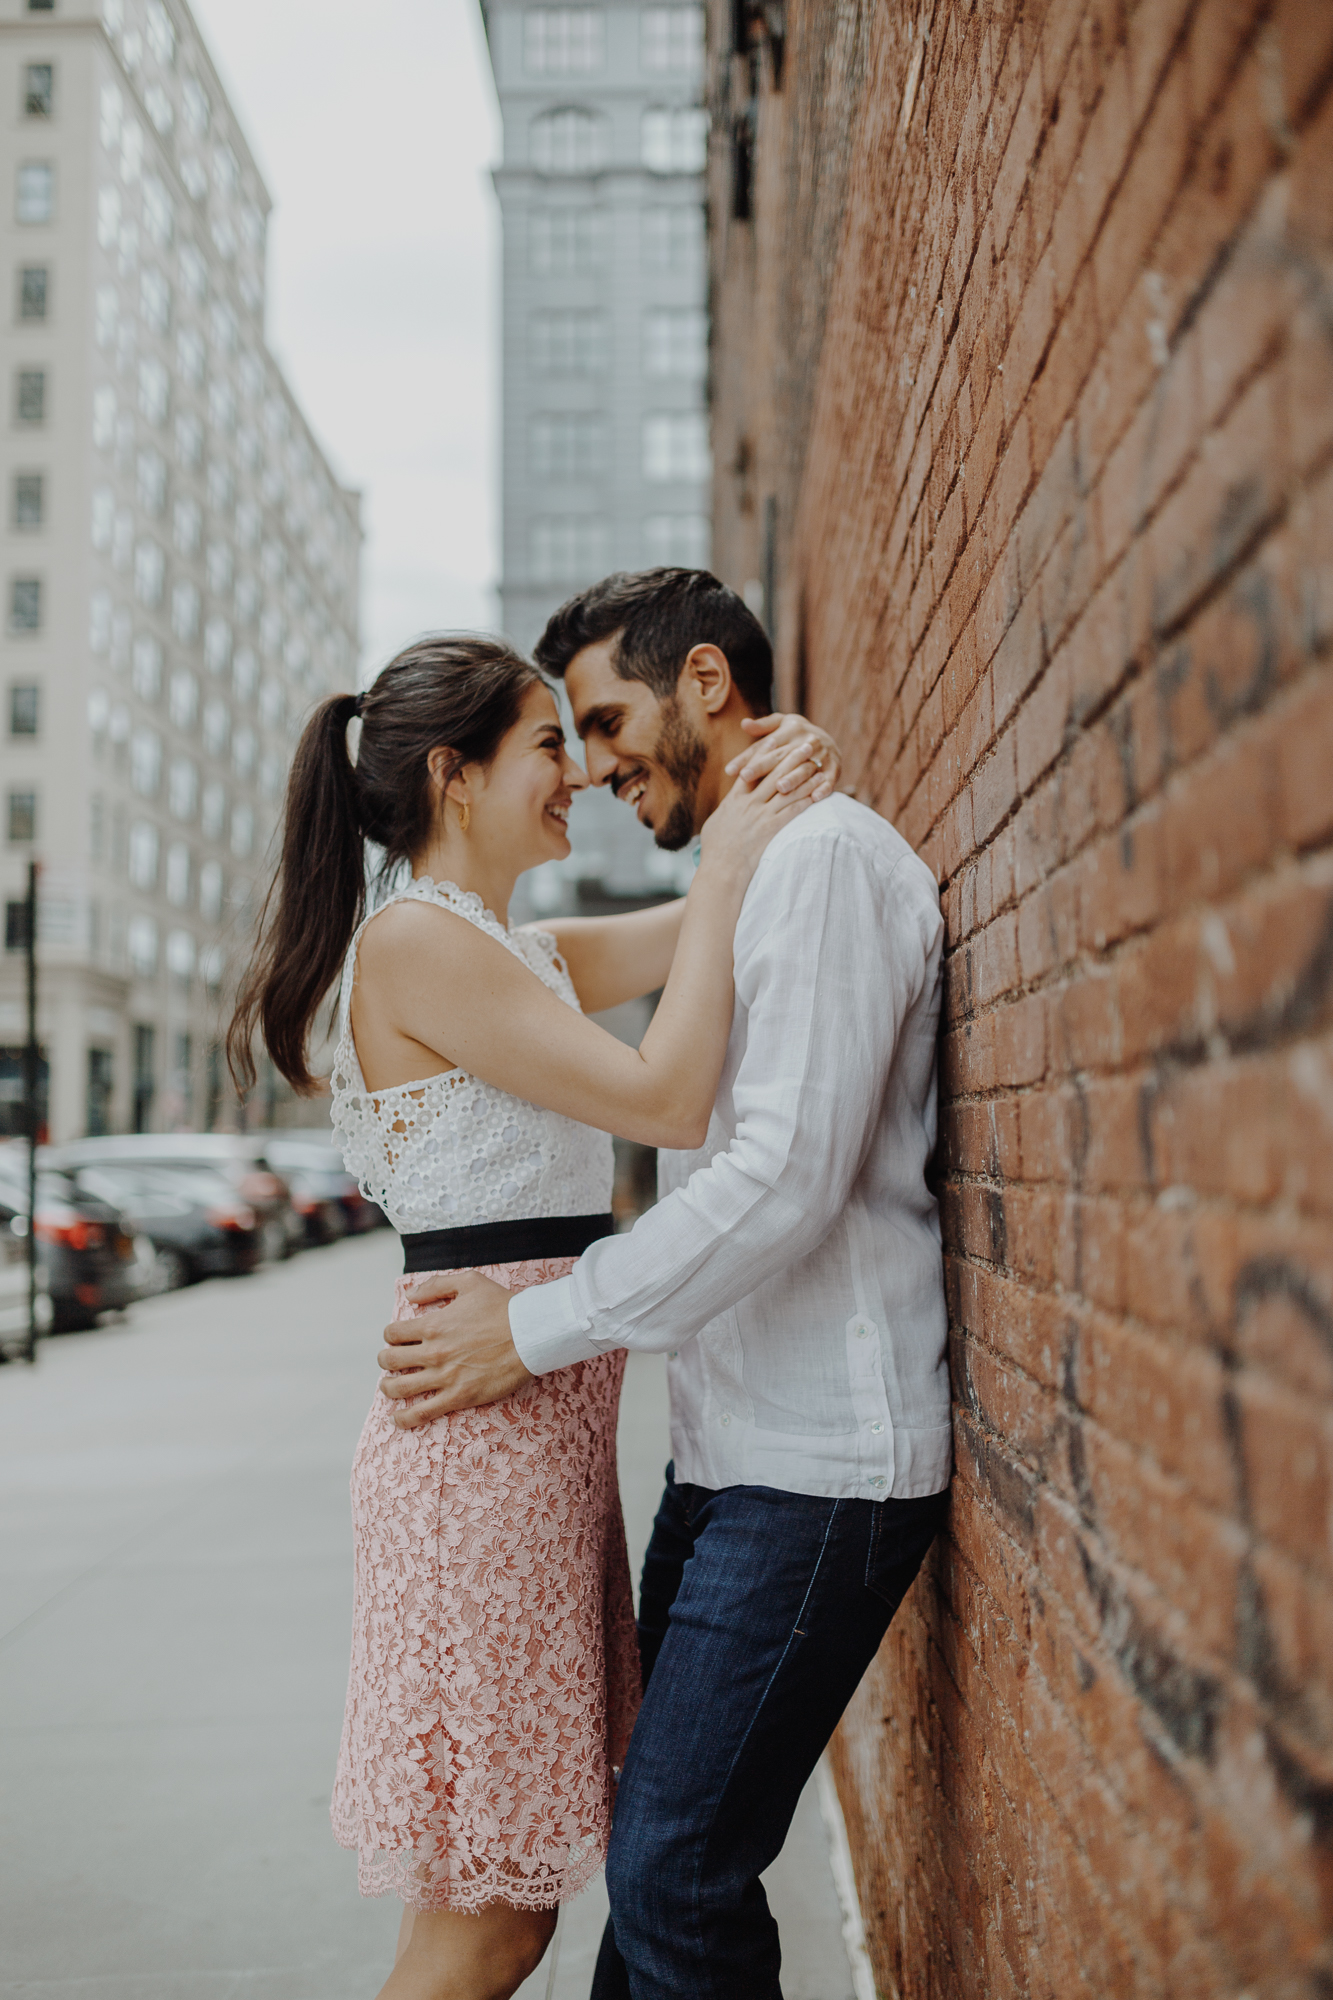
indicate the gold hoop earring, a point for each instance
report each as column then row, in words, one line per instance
column 464, row 816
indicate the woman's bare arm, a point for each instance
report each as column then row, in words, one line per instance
column 611, row 959
column 434, row 992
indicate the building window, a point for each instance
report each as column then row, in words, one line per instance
column 29, row 500
column 101, row 1074
column 178, row 874
column 243, row 749
column 159, row 211
column 24, row 710
column 183, row 702
column 213, row 817
column 154, row 389
column 151, row 481
column 32, row 291
column 673, row 238
column 569, row 141
column 150, row 566
column 565, row 241
column 41, row 6
column 569, row 446
column 146, row 762
column 36, row 191
column 242, row 832
column 569, row 343
column 217, row 645
column 161, row 34
column 38, row 90
column 676, row 541
column 25, row 604
column 186, row 525
column 210, row 891
column 183, row 788
column 672, row 38
column 569, row 550
column 180, row 955
column 675, row 342
column 144, row 961
column 217, row 728
column 155, row 299
column 189, row 438
column 185, row 611
column 146, row 667
column 22, row 815
column 143, row 851
column 675, row 139
column 30, row 396
column 557, row 40
column 675, row 446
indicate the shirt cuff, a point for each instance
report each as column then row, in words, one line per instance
column 547, row 1329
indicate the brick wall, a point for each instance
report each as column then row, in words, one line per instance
column 1023, row 408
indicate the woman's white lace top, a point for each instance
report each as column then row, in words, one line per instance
column 451, row 1150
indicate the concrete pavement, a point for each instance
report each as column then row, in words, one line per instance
column 175, row 1581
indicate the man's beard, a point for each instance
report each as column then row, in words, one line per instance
column 681, row 755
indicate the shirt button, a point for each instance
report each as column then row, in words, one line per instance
column 862, row 1328
column 879, row 1482
column 726, row 1420
column 877, row 1428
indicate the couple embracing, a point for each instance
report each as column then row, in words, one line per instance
column 507, row 1728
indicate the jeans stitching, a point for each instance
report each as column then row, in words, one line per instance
column 758, row 1711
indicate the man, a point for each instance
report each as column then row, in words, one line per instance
column 792, row 1269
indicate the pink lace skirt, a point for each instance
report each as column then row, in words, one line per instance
column 495, row 1676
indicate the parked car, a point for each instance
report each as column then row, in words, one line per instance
column 86, row 1256
column 322, row 1189
column 239, row 1158
column 14, row 1284
column 197, row 1222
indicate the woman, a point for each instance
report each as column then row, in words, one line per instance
column 494, row 1675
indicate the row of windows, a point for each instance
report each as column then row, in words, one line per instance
column 567, row 40
column 573, row 445
column 187, row 798
column 569, row 241
column 673, row 139
column 578, row 342
column 574, row 548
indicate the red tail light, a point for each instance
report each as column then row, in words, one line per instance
column 230, row 1218
column 62, row 1225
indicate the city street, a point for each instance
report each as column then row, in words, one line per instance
column 175, row 1576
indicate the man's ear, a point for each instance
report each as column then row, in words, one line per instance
column 707, row 673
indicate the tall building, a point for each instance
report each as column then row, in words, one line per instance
column 180, row 567
column 605, row 457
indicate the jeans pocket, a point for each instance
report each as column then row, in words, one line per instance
column 901, row 1531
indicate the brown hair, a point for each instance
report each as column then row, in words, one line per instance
column 465, row 693
column 659, row 615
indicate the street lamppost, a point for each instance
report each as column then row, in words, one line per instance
column 31, row 1064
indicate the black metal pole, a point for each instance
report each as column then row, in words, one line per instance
column 30, row 1106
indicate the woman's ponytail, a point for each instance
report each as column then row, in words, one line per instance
column 458, row 691
column 313, row 906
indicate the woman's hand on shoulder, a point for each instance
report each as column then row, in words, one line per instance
column 736, row 833
column 802, row 757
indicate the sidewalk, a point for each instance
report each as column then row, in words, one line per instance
column 175, row 1584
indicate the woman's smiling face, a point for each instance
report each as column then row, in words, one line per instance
column 519, row 803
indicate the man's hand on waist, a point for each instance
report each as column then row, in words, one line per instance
column 456, row 1355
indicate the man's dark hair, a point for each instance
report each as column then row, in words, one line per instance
column 660, row 614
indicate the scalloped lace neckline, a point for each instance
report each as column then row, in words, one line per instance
column 466, row 901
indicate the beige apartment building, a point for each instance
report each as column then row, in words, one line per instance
column 180, row 566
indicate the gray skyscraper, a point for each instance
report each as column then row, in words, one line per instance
column 606, row 458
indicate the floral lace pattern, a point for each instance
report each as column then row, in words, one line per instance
column 495, row 1674
column 453, row 1150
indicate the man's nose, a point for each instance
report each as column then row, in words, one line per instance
column 600, row 760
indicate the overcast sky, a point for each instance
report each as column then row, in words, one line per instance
column 374, row 129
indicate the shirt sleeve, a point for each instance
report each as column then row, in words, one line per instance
column 828, row 960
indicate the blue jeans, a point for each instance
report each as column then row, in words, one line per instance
column 759, row 1612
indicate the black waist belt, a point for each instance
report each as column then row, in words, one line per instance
column 503, row 1242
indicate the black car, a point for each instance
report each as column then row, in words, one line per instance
column 322, row 1189
column 85, row 1254
column 196, row 1221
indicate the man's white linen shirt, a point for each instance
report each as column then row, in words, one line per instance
column 792, row 1266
